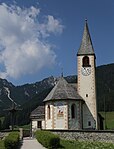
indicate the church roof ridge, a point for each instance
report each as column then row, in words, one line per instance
column 63, row 90
column 86, row 47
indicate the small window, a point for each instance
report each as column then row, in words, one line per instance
column 85, row 61
column 73, row 111
column 86, row 95
column 48, row 112
column 89, row 123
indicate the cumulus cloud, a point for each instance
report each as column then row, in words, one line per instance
column 51, row 25
column 23, row 49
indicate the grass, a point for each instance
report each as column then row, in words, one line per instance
column 24, row 127
column 66, row 144
column 109, row 119
column 2, row 144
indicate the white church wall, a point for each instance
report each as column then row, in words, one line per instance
column 48, row 121
column 48, row 124
column 43, row 124
column 87, row 89
column 60, row 115
column 88, row 120
column 34, row 124
column 74, row 123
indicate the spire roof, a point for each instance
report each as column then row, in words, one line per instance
column 86, row 46
column 63, row 90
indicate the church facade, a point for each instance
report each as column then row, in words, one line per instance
column 63, row 107
column 74, row 106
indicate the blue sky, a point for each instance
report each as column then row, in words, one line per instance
column 40, row 37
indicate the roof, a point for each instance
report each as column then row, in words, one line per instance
column 86, row 47
column 38, row 113
column 63, row 90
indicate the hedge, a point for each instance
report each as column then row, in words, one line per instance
column 47, row 139
column 12, row 140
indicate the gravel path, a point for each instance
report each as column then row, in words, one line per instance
column 30, row 143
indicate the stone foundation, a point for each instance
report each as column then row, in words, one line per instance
column 99, row 136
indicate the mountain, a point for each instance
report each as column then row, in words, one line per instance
column 29, row 96
column 22, row 94
column 105, row 87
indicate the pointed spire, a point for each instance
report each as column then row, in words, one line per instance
column 86, row 47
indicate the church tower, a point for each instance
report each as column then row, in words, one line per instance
column 86, row 80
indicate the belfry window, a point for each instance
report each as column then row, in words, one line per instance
column 73, row 111
column 85, row 61
column 48, row 112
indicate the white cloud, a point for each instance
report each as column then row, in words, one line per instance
column 23, row 49
column 51, row 25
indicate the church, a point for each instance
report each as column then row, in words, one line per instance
column 72, row 106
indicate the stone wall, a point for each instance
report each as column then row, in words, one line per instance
column 101, row 136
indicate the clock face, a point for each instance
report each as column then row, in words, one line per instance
column 86, row 71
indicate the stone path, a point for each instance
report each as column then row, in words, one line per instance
column 31, row 143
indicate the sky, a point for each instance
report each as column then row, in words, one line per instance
column 40, row 38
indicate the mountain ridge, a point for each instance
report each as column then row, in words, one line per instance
column 29, row 96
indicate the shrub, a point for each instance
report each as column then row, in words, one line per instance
column 2, row 144
column 12, row 140
column 48, row 139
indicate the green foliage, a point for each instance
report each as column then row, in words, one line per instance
column 23, row 117
column 25, row 127
column 48, row 139
column 109, row 117
column 105, row 87
column 2, row 144
column 0, row 124
column 66, row 144
column 12, row 140
column 6, row 122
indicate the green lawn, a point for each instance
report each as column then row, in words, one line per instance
column 109, row 119
column 66, row 144
column 2, row 144
column 24, row 127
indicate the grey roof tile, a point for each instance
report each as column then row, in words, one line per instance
column 86, row 47
column 63, row 90
column 38, row 113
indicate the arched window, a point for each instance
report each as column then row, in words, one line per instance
column 85, row 61
column 48, row 112
column 73, row 111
